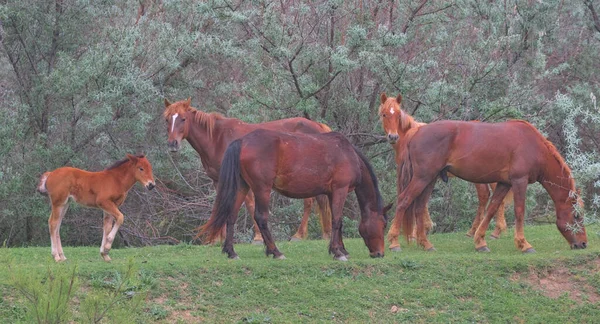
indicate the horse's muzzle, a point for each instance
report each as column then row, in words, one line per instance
column 393, row 138
column 577, row 246
column 376, row 255
column 150, row 186
column 173, row 145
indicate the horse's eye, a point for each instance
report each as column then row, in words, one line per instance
column 383, row 115
column 183, row 119
column 141, row 169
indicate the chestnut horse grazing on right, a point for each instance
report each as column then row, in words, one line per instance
column 297, row 165
column 106, row 190
column 513, row 154
column 396, row 124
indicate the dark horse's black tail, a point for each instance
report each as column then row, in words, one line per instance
column 230, row 182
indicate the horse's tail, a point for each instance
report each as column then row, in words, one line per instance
column 405, row 174
column 41, row 187
column 230, row 181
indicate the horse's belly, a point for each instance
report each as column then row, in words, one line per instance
column 479, row 174
column 299, row 187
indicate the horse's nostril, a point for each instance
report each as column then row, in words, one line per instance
column 583, row 245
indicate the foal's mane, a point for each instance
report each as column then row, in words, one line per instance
column 121, row 162
column 202, row 118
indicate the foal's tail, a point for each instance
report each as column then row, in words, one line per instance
column 41, row 188
column 230, row 182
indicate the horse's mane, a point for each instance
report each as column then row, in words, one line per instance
column 554, row 153
column 205, row 119
column 121, row 162
column 373, row 177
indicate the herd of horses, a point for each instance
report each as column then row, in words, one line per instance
column 300, row 158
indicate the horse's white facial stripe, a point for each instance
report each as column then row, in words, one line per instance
column 392, row 110
column 173, row 124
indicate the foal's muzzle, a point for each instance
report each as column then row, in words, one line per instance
column 150, row 186
column 393, row 138
column 376, row 255
column 577, row 246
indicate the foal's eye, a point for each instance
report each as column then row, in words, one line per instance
column 383, row 115
column 141, row 169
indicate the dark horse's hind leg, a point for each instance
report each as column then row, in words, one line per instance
column 261, row 215
column 228, row 244
column 336, row 245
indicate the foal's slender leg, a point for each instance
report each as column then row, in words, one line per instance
column 228, row 244
column 262, row 216
column 302, row 231
column 414, row 189
column 497, row 199
column 53, row 227
column 336, row 246
column 483, row 195
column 519, row 188
column 106, row 227
column 249, row 201
column 112, row 209
column 61, row 253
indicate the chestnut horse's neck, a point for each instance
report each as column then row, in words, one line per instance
column 367, row 192
column 558, row 180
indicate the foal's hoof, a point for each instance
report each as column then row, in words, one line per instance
column 469, row 234
column 105, row 257
column 342, row 258
column 395, row 249
column 493, row 237
column 484, row 249
column 530, row 250
column 281, row 257
column 257, row 242
column 295, row 239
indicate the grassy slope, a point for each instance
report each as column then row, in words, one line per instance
column 189, row 283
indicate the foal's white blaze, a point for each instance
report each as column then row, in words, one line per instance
column 392, row 110
column 173, row 124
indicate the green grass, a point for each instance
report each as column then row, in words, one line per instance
column 190, row 283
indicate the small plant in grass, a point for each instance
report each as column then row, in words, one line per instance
column 47, row 297
column 119, row 302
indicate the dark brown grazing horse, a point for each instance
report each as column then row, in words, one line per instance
column 105, row 190
column 210, row 134
column 298, row 166
column 513, row 154
column 396, row 123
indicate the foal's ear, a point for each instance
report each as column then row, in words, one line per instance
column 132, row 158
column 188, row 102
column 399, row 99
column 167, row 103
column 383, row 97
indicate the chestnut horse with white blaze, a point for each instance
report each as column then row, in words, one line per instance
column 210, row 134
column 297, row 165
column 513, row 154
column 396, row 124
column 105, row 190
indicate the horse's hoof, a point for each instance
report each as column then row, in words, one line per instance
column 295, row 239
column 106, row 258
column 484, row 249
column 235, row 257
column 281, row 257
column 395, row 249
column 469, row 234
column 530, row 250
column 257, row 242
column 431, row 249
column 342, row 258
column 493, row 237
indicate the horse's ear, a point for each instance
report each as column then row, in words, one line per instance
column 399, row 99
column 188, row 102
column 167, row 103
column 383, row 97
column 132, row 158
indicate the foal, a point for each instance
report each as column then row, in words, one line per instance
column 106, row 190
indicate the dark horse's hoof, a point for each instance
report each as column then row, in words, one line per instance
column 431, row 249
column 257, row 242
column 484, row 249
column 396, row 249
column 234, row 257
column 530, row 250
column 493, row 237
